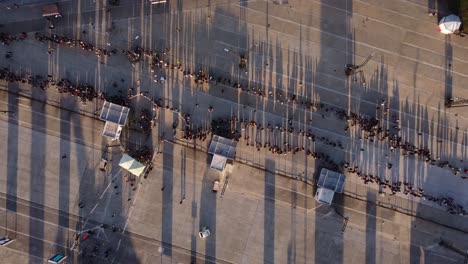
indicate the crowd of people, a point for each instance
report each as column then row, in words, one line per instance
column 7, row 39
column 408, row 189
column 144, row 121
column 224, row 127
column 85, row 91
column 372, row 127
column 143, row 155
column 72, row 42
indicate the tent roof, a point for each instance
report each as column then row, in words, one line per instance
column 218, row 162
column 331, row 180
column 324, row 195
column 111, row 130
column 449, row 24
column 223, row 147
column 114, row 113
column 131, row 165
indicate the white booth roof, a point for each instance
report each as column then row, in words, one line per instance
column 131, row 165
column 112, row 130
column 331, row 180
column 223, row 147
column 114, row 113
column 324, row 195
column 218, row 162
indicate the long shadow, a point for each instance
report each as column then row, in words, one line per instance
column 64, row 172
column 371, row 212
column 194, row 214
column 12, row 159
column 334, row 32
column 207, row 217
column 269, row 213
column 167, row 194
column 448, row 67
column 37, row 180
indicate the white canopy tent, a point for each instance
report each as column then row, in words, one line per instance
column 329, row 183
column 131, row 165
column 223, row 149
column 449, row 24
column 115, row 116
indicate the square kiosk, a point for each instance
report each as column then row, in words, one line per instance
column 223, row 149
column 329, row 183
column 116, row 117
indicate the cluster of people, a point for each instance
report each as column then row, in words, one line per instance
column 143, row 155
column 373, row 130
column 195, row 133
column 85, row 91
column 72, row 42
column 372, row 127
column 408, row 189
column 6, row 39
column 145, row 121
column 227, row 128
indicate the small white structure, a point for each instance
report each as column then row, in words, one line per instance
column 116, row 117
column 329, row 183
column 223, row 149
column 449, row 24
column 131, row 165
column 204, row 232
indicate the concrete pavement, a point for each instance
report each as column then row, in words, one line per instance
column 237, row 219
column 303, row 47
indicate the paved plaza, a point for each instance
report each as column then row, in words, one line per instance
column 295, row 54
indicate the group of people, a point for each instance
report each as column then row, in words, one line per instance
column 223, row 127
column 85, row 92
column 143, row 155
column 145, row 121
column 372, row 127
column 72, row 42
column 6, row 39
column 408, row 189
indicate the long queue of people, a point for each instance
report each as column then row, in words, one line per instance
column 408, row 189
column 84, row 91
column 372, row 127
column 224, row 127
